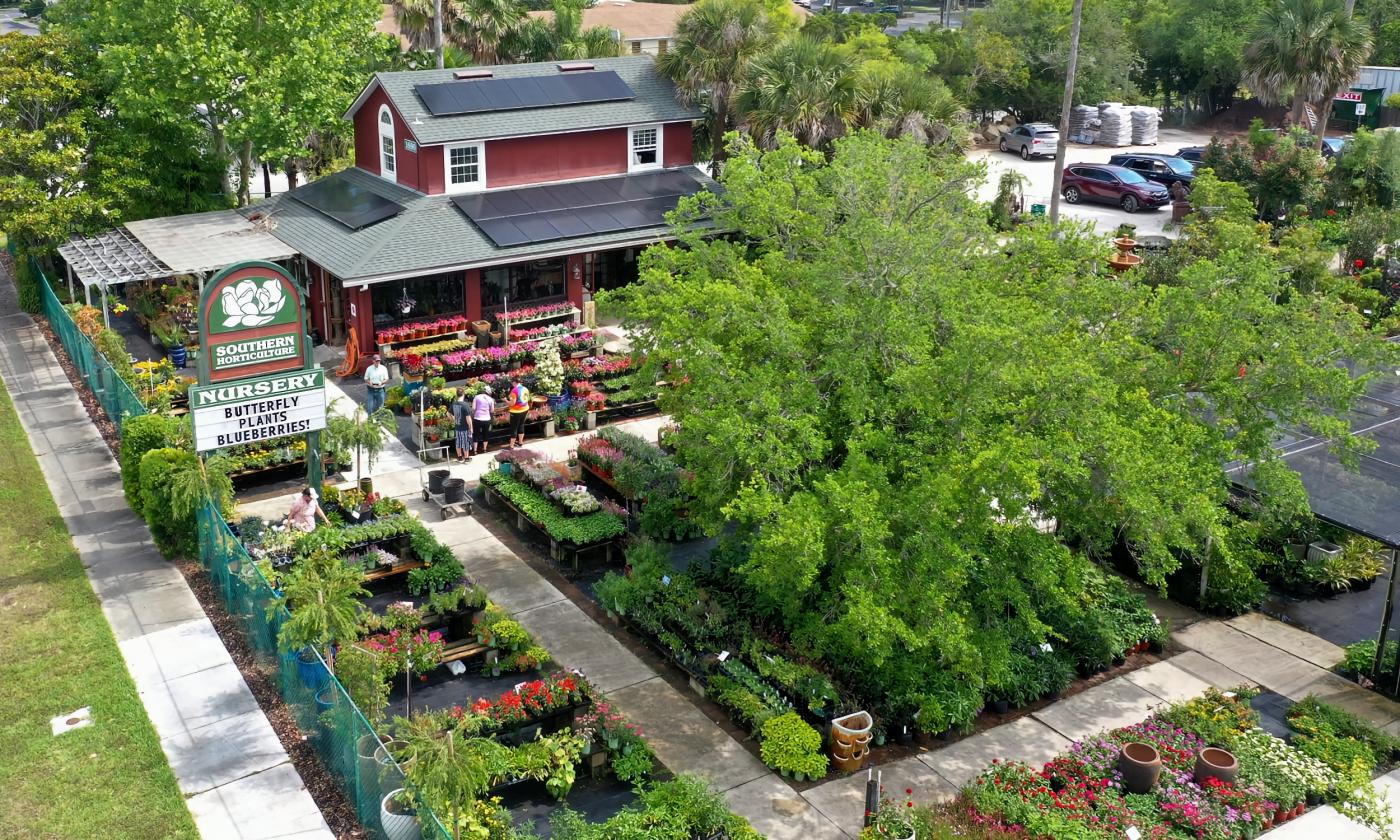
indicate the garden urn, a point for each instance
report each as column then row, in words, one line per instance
column 1217, row 763
column 1140, row 765
column 398, row 820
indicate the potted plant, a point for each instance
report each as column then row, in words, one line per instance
column 893, row 820
column 397, row 815
column 322, row 594
column 359, row 432
column 792, row 747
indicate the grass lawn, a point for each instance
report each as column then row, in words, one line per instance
column 109, row 780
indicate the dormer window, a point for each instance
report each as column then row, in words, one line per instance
column 466, row 167
column 386, row 143
column 644, row 150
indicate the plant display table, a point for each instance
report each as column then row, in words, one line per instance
column 569, row 537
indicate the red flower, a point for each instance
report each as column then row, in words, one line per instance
column 1360, row 263
column 1331, row 212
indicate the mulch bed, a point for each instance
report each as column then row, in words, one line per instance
column 335, row 808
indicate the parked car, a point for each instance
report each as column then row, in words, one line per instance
column 1191, row 153
column 1112, row 185
column 1331, row 146
column 1031, row 140
column 1164, row 169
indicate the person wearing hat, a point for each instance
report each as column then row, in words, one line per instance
column 304, row 511
column 376, row 378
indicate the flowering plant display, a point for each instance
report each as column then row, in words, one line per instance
column 419, row 651
column 526, row 702
column 531, row 313
column 1079, row 793
column 893, row 818
column 404, row 332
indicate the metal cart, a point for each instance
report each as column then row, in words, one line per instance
column 445, row 508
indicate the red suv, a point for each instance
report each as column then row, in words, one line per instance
column 1112, row 185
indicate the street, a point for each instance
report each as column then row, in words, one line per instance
column 1040, row 173
column 13, row 20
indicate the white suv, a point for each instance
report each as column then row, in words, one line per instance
column 1032, row 140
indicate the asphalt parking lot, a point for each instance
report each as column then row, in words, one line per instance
column 1041, row 172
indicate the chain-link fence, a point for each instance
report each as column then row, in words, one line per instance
column 347, row 744
column 116, row 397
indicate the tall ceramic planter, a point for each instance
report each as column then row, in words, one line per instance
column 313, row 675
column 1140, row 765
column 1218, row 763
column 398, row 820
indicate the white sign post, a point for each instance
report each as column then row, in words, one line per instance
column 257, row 409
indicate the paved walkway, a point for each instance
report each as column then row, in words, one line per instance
column 237, row 779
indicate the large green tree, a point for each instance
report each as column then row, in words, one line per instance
column 72, row 162
column 884, row 397
column 1193, row 50
column 808, row 88
column 260, row 78
column 1034, row 34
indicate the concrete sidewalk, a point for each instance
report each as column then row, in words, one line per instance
column 238, row 781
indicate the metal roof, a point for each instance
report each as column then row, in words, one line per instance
column 655, row 102
column 204, row 242
column 428, row 236
column 111, row 258
column 154, row 248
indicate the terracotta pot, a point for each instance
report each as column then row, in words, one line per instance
column 1268, row 823
column 1140, row 765
column 1281, row 816
column 1298, row 810
column 1213, row 761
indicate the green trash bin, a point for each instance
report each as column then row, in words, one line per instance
column 1037, row 209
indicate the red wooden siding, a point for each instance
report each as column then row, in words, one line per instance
column 676, row 145
column 413, row 169
column 557, row 157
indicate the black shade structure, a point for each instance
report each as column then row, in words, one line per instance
column 350, row 204
column 563, row 211
column 1366, row 500
column 480, row 96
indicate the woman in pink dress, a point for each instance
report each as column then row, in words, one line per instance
column 304, row 511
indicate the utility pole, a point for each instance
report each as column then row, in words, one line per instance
column 437, row 31
column 1065, row 107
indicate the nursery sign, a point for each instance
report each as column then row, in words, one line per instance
column 251, row 323
column 262, row 408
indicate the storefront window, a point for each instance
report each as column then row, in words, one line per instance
column 522, row 283
column 429, row 297
column 611, row 269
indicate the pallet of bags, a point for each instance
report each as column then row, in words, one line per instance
column 1145, row 121
column 1116, row 128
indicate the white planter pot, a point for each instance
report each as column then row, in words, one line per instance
column 397, row 826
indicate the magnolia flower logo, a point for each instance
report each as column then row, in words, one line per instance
column 250, row 304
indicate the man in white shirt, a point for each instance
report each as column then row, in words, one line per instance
column 376, row 380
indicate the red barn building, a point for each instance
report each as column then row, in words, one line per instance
column 489, row 187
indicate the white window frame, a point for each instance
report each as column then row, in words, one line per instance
column 447, row 184
column 389, row 155
column 632, row 165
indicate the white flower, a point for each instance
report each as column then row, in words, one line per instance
column 246, row 304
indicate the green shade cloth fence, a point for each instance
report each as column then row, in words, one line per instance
column 115, row 396
column 341, row 735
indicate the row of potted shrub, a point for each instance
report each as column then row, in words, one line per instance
column 422, row 329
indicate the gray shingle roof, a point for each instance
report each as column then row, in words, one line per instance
column 655, row 102
column 431, row 234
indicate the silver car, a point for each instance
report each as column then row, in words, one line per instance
column 1032, row 140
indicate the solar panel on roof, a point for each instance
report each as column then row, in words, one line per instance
column 562, row 211
column 478, row 96
column 350, row 204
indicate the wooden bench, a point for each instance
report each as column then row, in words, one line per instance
column 463, row 650
column 396, row 569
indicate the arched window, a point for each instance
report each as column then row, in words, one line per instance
column 386, row 143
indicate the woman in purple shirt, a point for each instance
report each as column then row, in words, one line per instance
column 482, row 407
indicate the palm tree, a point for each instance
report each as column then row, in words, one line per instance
column 714, row 43
column 898, row 99
column 1304, row 49
column 561, row 37
column 802, row 86
column 484, row 28
column 1344, row 68
column 414, row 19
